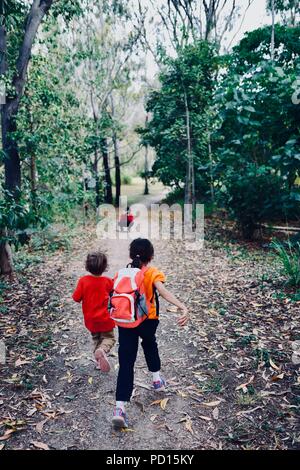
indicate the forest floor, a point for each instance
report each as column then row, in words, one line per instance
column 232, row 381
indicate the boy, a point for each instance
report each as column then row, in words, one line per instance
column 93, row 291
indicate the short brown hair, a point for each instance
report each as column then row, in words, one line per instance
column 96, row 263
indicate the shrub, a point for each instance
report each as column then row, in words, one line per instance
column 126, row 179
column 289, row 256
column 255, row 195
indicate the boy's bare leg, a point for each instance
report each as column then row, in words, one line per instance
column 96, row 337
column 107, row 341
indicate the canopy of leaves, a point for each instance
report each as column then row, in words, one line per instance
column 190, row 74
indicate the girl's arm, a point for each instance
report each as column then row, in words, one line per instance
column 169, row 297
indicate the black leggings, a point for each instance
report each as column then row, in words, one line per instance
column 128, row 348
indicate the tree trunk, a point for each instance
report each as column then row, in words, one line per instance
column 212, row 191
column 146, row 169
column 33, row 182
column 108, row 197
column 9, row 111
column 97, row 180
column 116, row 157
column 11, row 154
column 272, row 50
column 117, row 169
column 6, row 261
column 190, row 177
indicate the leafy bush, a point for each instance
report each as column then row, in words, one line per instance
column 176, row 196
column 15, row 220
column 50, row 239
column 290, row 258
column 255, row 195
column 126, row 179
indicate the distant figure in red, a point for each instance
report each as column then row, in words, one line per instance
column 126, row 220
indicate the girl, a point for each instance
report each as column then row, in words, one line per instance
column 141, row 252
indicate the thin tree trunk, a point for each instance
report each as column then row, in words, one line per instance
column 212, row 192
column 12, row 163
column 190, row 177
column 84, row 204
column 273, row 31
column 108, row 197
column 116, row 157
column 33, row 181
column 97, row 180
column 146, row 169
column 6, row 262
column 117, row 169
column 33, row 169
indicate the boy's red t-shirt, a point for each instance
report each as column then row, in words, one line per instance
column 93, row 292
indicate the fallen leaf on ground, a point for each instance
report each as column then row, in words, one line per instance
column 40, row 425
column 205, row 418
column 277, row 377
column 20, row 362
column 7, row 434
column 163, row 403
column 216, row 413
column 40, row 445
column 212, row 403
column 273, row 365
column 188, row 425
column 244, row 386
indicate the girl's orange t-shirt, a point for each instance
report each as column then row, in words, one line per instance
column 151, row 276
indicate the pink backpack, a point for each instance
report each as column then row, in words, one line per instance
column 128, row 306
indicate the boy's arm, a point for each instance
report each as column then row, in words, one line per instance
column 77, row 294
column 169, row 297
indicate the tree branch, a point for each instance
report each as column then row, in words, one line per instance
column 36, row 14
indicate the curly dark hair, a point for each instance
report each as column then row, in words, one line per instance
column 96, row 263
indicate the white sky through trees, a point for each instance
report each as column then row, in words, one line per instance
column 255, row 17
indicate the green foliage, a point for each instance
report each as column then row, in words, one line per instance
column 16, row 218
column 50, row 239
column 289, row 256
column 255, row 195
column 190, row 74
column 126, row 179
column 289, row 9
column 258, row 131
column 255, row 47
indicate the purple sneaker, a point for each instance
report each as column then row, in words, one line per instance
column 160, row 385
column 119, row 419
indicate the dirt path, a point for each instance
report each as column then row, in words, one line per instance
column 232, row 382
column 151, row 426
